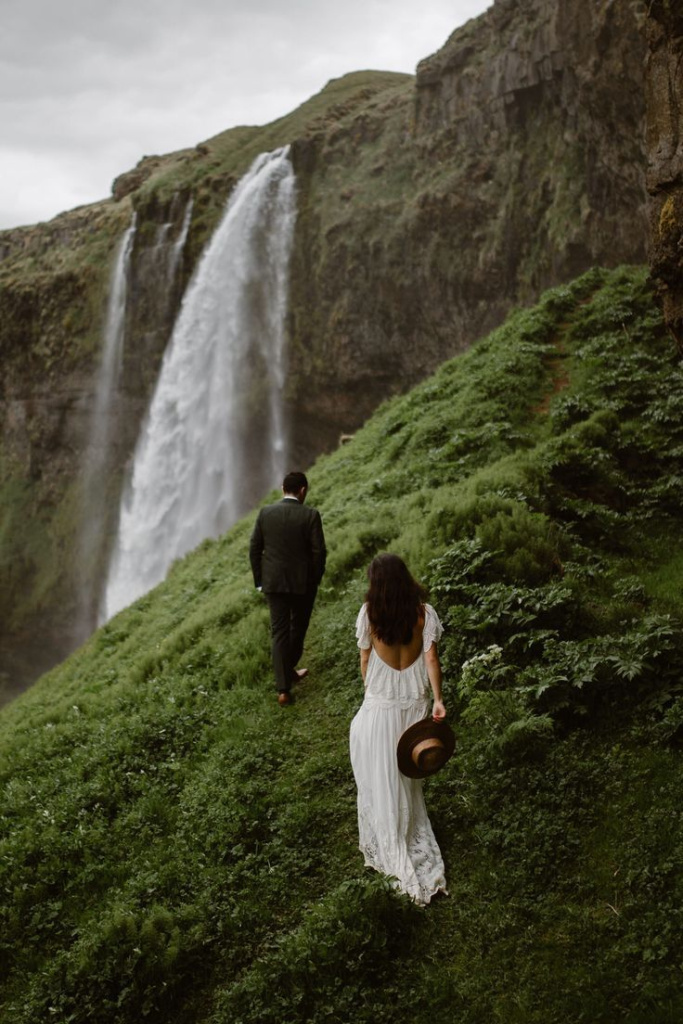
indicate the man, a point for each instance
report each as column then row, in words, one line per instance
column 287, row 554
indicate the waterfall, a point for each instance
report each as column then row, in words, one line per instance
column 97, row 455
column 112, row 350
column 179, row 244
column 214, row 439
column 162, row 259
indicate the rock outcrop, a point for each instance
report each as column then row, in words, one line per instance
column 665, row 155
column 428, row 207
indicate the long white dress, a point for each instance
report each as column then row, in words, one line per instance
column 395, row 834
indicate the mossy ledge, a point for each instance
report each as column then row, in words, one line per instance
column 176, row 848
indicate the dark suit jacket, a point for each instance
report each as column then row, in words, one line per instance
column 287, row 548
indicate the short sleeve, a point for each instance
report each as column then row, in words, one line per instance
column 432, row 629
column 363, row 629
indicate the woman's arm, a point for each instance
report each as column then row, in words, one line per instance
column 364, row 659
column 434, row 673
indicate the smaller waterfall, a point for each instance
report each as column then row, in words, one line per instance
column 161, row 239
column 179, row 244
column 97, row 456
column 112, row 351
column 163, row 258
column 214, row 440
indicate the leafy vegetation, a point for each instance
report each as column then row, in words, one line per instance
column 176, row 847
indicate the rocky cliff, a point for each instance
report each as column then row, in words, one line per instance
column 514, row 161
column 665, row 155
column 428, row 206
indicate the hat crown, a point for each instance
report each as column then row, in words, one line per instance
column 424, row 748
column 429, row 754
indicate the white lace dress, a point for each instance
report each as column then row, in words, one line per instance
column 395, row 834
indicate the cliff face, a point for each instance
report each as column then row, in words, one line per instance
column 515, row 161
column 54, row 288
column 553, row 95
column 428, row 207
column 52, row 301
column 665, row 156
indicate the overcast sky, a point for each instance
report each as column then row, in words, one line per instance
column 87, row 87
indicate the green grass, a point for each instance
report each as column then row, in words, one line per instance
column 177, row 848
column 662, row 569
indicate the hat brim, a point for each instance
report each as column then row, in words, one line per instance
column 425, row 729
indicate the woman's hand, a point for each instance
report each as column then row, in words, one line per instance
column 438, row 711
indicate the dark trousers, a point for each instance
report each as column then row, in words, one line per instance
column 289, row 618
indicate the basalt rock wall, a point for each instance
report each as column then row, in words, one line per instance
column 665, row 155
column 514, row 162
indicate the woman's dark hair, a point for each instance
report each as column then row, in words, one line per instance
column 394, row 600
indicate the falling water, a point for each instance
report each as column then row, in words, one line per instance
column 179, row 244
column 214, row 439
column 112, row 350
column 93, row 492
column 161, row 260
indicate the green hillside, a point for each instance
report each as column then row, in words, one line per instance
column 178, row 849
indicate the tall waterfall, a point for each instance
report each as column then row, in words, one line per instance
column 98, row 451
column 214, row 440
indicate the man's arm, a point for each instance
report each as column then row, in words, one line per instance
column 318, row 549
column 256, row 551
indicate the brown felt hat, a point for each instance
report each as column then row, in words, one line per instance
column 424, row 748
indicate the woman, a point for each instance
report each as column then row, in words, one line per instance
column 397, row 636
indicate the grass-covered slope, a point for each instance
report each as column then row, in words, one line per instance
column 177, row 848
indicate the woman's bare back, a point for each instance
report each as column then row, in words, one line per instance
column 399, row 656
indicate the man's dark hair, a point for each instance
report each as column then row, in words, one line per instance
column 293, row 483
